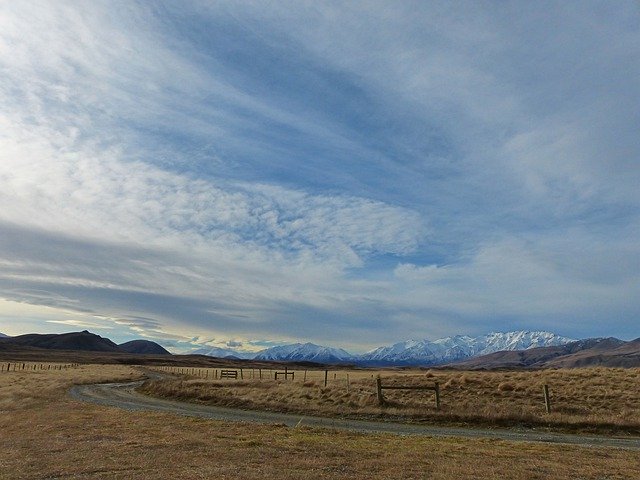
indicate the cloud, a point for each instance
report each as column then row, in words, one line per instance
column 80, row 324
column 338, row 172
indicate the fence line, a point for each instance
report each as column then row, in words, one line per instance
column 379, row 387
column 274, row 374
column 6, row 367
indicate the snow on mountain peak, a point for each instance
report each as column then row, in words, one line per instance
column 458, row 347
column 409, row 352
column 305, row 352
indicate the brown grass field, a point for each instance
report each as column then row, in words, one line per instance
column 47, row 435
column 605, row 400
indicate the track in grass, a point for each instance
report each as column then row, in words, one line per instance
column 124, row 395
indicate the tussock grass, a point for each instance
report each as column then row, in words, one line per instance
column 53, row 436
column 590, row 399
column 26, row 388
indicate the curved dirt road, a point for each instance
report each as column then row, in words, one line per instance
column 123, row 395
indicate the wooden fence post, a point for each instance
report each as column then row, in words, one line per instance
column 348, row 384
column 379, row 390
column 241, row 375
column 437, row 390
column 547, row 401
column 260, row 373
column 305, row 376
column 326, row 374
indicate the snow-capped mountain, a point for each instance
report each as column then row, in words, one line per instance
column 410, row 352
column 305, row 352
column 450, row 349
column 221, row 352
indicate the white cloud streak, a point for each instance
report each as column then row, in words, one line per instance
column 106, row 214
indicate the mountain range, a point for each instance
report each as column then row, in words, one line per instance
column 521, row 349
column 603, row 352
column 459, row 347
column 410, row 352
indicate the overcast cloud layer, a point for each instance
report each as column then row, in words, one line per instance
column 348, row 173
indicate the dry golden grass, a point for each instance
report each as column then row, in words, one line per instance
column 45, row 434
column 26, row 388
column 590, row 399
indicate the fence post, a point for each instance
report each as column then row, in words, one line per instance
column 260, row 373
column 437, row 390
column 547, row 401
column 379, row 390
column 348, row 384
column 326, row 374
column 241, row 375
column 305, row 376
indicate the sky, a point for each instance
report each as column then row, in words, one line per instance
column 353, row 174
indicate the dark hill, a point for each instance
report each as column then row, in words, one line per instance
column 2, row 335
column 66, row 341
column 145, row 347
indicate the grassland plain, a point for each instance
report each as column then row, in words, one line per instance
column 605, row 400
column 45, row 434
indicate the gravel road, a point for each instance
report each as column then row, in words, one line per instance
column 124, row 395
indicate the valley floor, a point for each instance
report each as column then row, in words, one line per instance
column 47, row 434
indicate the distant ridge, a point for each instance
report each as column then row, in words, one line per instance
column 219, row 352
column 306, row 352
column 605, row 352
column 2, row 335
column 82, row 341
column 66, row 341
column 143, row 347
